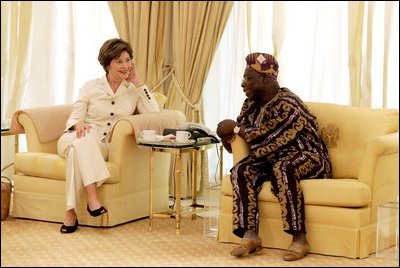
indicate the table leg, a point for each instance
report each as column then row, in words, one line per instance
column 194, row 182
column 221, row 161
column 178, row 171
column 16, row 143
column 151, row 189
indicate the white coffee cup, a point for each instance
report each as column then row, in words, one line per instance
column 182, row 136
column 148, row 135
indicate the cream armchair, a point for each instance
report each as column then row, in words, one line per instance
column 39, row 191
column 341, row 212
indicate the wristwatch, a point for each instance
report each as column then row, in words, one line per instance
column 236, row 130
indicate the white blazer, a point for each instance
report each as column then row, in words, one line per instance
column 101, row 108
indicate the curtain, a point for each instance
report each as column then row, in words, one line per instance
column 50, row 49
column 145, row 25
column 178, row 64
column 198, row 25
column 16, row 17
column 356, row 16
column 373, row 36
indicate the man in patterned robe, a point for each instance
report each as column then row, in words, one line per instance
column 285, row 147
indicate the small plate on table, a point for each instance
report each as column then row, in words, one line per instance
column 183, row 142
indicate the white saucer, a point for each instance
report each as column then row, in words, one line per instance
column 184, row 142
column 144, row 141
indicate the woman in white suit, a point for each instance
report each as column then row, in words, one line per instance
column 100, row 104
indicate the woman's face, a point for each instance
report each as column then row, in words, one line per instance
column 120, row 67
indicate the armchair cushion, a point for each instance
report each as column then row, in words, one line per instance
column 346, row 130
column 342, row 193
column 52, row 166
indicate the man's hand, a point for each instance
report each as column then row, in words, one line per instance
column 225, row 132
column 81, row 129
column 226, row 142
column 225, row 127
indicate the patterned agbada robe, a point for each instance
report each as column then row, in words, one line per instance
column 285, row 147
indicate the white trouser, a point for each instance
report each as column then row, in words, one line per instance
column 85, row 163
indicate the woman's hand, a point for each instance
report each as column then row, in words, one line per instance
column 134, row 77
column 81, row 129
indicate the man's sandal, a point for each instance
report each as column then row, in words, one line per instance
column 247, row 246
column 296, row 251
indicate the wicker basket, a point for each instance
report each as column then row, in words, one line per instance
column 6, row 187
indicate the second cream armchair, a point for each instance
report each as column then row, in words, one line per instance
column 341, row 212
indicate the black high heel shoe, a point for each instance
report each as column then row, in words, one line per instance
column 69, row 229
column 97, row 212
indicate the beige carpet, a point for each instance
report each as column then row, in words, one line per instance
column 36, row 243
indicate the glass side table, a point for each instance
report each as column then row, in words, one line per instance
column 176, row 149
column 5, row 131
column 387, row 232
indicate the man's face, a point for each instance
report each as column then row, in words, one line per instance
column 253, row 84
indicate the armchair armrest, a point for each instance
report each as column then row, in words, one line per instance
column 122, row 133
column 126, row 131
column 32, row 138
column 240, row 149
column 42, row 125
column 160, row 98
column 380, row 168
